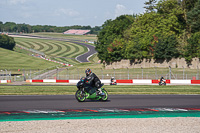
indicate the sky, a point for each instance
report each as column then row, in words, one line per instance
column 67, row 12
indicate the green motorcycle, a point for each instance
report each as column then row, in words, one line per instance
column 86, row 92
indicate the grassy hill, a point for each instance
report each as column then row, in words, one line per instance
column 61, row 51
column 14, row 60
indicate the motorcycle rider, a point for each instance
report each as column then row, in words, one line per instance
column 162, row 79
column 93, row 80
column 113, row 81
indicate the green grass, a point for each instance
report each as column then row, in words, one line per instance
column 94, row 58
column 73, row 37
column 123, row 89
column 14, row 60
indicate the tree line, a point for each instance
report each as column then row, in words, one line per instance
column 26, row 28
column 168, row 29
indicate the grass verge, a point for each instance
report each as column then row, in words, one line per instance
column 14, row 60
column 123, row 89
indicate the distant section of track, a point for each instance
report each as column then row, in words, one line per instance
column 85, row 57
column 80, row 58
column 61, row 102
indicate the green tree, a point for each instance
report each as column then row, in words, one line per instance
column 7, row 42
column 1, row 26
column 165, row 48
column 193, row 48
column 10, row 27
column 26, row 28
column 188, row 4
column 193, row 18
column 116, row 50
column 135, row 51
column 166, row 21
column 110, row 38
column 150, row 5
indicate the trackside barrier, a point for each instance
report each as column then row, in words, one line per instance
column 195, row 81
column 5, row 81
column 181, row 82
column 134, row 81
column 47, row 81
column 124, row 81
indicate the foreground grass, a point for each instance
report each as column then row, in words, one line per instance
column 126, row 89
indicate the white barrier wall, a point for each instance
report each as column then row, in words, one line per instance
column 132, row 81
column 180, row 81
column 5, row 81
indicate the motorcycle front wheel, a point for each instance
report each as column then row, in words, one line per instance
column 80, row 96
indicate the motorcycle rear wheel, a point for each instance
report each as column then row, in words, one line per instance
column 80, row 97
column 105, row 96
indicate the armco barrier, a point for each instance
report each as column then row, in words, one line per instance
column 134, row 81
column 5, row 81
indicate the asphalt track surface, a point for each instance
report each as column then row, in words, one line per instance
column 82, row 58
column 62, row 102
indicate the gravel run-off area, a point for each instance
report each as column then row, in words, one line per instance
column 132, row 125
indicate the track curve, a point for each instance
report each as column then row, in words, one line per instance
column 84, row 57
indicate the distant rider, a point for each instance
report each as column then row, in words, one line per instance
column 92, row 80
column 162, row 79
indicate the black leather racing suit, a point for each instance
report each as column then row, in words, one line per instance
column 161, row 79
column 93, row 81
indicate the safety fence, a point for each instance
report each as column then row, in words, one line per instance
column 72, row 73
column 137, row 73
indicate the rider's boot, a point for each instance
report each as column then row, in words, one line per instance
column 100, row 92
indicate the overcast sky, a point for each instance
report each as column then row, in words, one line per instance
column 67, row 12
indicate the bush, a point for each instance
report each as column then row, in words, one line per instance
column 7, row 42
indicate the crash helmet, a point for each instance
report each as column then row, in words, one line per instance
column 88, row 71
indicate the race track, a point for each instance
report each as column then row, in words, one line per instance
column 62, row 102
column 81, row 58
column 84, row 57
